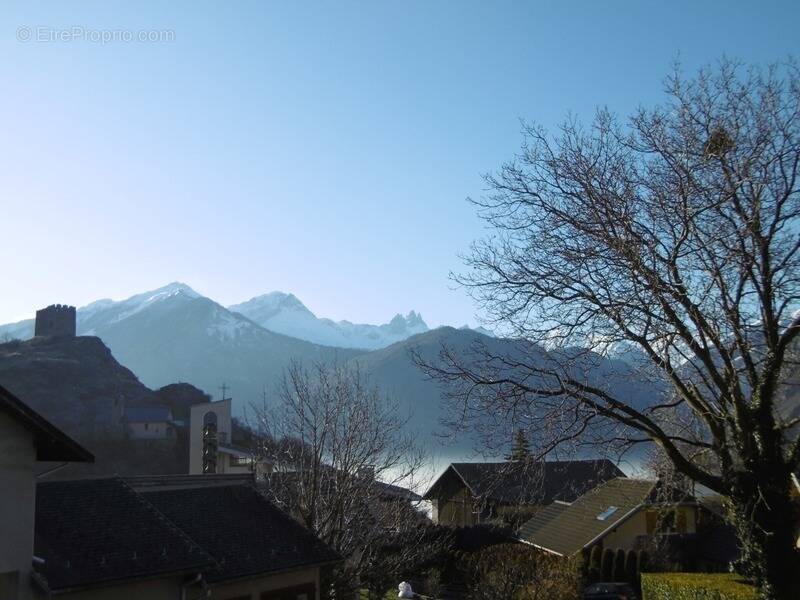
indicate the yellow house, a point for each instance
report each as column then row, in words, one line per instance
column 620, row 513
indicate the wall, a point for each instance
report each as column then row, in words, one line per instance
column 223, row 412
column 151, row 431
column 625, row 535
column 454, row 504
column 17, row 501
column 56, row 319
column 166, row 588
column 251, row 589
column 169, row 588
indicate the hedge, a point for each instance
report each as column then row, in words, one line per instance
column 696, row 586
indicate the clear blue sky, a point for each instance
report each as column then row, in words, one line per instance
column 320, row 148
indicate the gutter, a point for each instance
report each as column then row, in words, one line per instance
column 538, row 547
column 51, row 470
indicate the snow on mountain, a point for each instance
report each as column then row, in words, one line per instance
column 284, row 313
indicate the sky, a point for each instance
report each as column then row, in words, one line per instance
column 321, row 148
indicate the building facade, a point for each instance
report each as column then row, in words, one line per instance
column 26, row 440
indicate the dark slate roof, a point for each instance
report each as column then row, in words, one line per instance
column 390, row 491
column 576, row 526
column 540, row 482
column 147, row 414
column 279, row 480
column 52, row 444
column 242, row 530
column 96, row 531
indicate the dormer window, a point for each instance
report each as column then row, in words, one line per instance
column 607, row 513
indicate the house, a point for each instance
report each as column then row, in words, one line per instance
column 471, row 493
column 149, row 422
column 26, row 441
column 210, row 447
column 389, row 506
column 619, row 513
column 185, row 536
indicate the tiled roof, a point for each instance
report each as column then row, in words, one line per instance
column 147, row 414
column 540, row 519
column 99, row 530
column 570, row 529
column 539, row 482
column 52, row 444
column 241, row 529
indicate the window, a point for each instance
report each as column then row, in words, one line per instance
column 239, row 461
column 210, row 442
column 607, row 513
column 666, row 521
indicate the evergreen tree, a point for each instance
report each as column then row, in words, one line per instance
column 521, row 449
column 619, row 565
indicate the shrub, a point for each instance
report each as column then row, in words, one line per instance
column 631, row 575
column 619, row 565
column 642, row 558
column 696, row 586
column 595, row 560
column 518, row 572
column 607, row 565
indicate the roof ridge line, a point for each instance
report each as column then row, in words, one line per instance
column 167, row 520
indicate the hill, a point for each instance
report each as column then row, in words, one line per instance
column 77, row 385
column 394, row 371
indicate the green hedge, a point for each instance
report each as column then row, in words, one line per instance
column 695, row 586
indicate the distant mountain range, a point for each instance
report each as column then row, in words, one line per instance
column 284, row 313
column 173, row 334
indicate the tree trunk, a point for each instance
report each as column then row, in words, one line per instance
column 764, row 516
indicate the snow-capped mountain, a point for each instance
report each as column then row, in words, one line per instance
column 175, row 334
column 284, row 313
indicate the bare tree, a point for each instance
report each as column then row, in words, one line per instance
column 339, row 449
column 674, row 232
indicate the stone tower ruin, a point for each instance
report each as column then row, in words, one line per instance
column 55, row 320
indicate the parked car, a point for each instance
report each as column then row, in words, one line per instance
column 609, row 591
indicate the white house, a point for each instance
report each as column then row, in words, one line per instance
column 149, row 422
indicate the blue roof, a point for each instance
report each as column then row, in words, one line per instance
column 147, row 414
